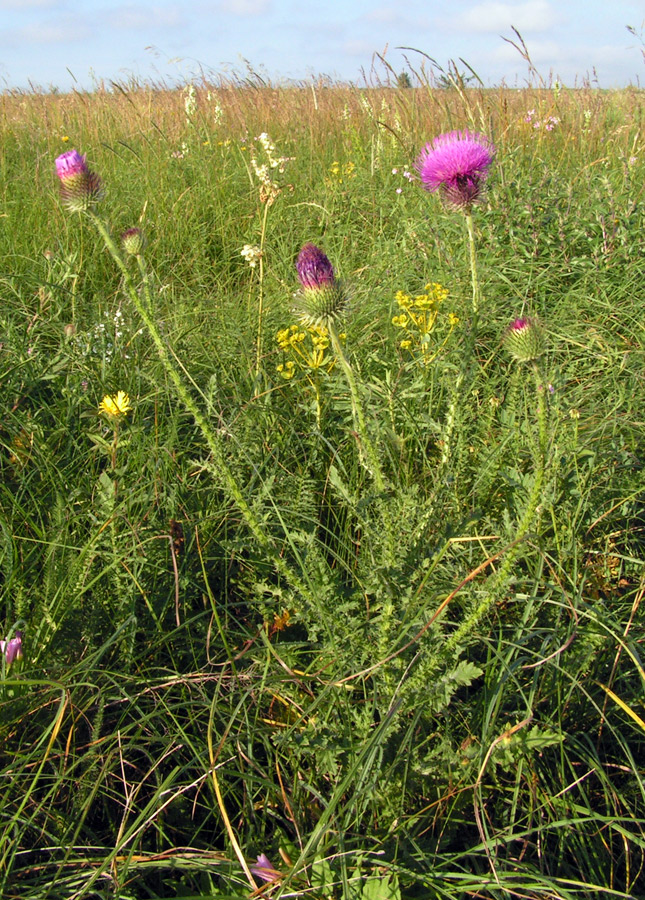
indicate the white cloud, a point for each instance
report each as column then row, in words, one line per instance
column 52, row 33
column 136, row 17
column 27, row 4
column 386, row 15
column 244, row 7
column 358, row 47
column 492, row 17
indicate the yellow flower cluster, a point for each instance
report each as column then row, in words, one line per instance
column 418, row 318
column 340, row 172
column 308, row 346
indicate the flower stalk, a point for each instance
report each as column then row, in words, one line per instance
column 228, row 479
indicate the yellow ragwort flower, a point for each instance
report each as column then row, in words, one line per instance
column 115, row 407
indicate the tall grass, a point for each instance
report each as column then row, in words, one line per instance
column 211, row 672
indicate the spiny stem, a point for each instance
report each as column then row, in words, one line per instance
column 523, row 528
column 473, row 259
column 368, row 452
column 202, row 423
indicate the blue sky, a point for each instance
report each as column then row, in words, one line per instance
column 43, row 41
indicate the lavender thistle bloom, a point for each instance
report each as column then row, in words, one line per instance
column 263, row 870
column 79, row 187
column 314, row 269
column 456, row 163
column 12, row 649
column 322, row 298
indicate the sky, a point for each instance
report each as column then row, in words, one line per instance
column 65, row 44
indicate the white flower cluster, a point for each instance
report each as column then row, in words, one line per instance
column 269, row 190
column 251, row 254
column 190, row 101
column 218, row 110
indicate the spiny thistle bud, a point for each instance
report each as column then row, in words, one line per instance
column 322, row 298
column 133, row 241
column 524, row 340
column 79, row 188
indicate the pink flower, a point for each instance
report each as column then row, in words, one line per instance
column 263, row 869
column 457, row 163
column 70, row 164
column 12, row 649
column 79, row 187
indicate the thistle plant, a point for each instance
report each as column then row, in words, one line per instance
column 81, row 195
column 320, row 303
column 133, row 242
column 524, row 341
column 457, row 164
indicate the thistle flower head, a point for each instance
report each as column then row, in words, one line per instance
column 524, row 339
column 133, row 241
column 79, row 187
column 12, row 649
column 456, row 163
column 116, row 407
column 314, row 268
column 322, row 298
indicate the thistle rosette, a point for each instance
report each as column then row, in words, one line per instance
column 524, row 340
column 457, row 164
column 80, row 188
column 322, row 298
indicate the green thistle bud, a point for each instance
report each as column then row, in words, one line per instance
column 133, row 241
column 524, row 340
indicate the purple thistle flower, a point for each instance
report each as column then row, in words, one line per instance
column 263, row 869
column 457, row 163
column 322, row 298
column 70, row 164
column 79, row 187
column 314, row 269
column 12, row 649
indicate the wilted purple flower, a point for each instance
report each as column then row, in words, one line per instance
column 524, row 339
column 79, row 187
column 12, row 649
column 314, row 269
column 263, row 869
column 322, row 298
column 457, row 163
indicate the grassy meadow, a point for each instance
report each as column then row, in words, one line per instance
column 364, row 605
